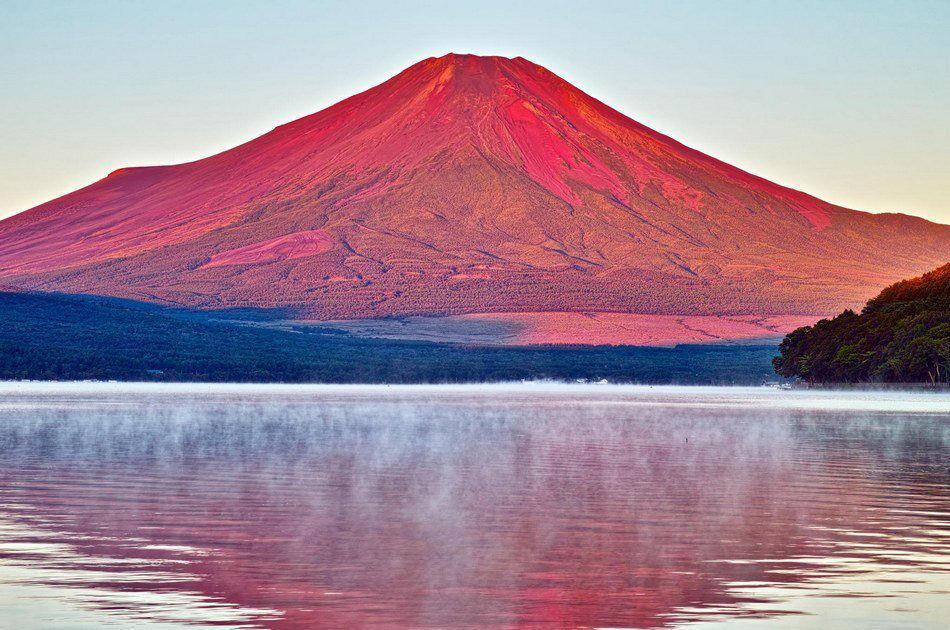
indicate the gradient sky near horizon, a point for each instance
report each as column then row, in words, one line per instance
column 848, row 101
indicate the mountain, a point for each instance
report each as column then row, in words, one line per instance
column 463, row 185
column 901, row 336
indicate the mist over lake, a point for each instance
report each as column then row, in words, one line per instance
column 471, row 506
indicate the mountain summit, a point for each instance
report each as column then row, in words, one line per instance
column 464, row 184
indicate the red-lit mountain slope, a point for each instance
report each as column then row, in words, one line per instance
column 464, row 185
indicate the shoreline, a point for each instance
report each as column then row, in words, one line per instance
column 508, row 394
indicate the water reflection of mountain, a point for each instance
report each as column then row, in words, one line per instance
column 424, row 509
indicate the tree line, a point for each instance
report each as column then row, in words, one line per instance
column 74, row 337
column 901, row 336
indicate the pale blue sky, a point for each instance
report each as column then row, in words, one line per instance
column 849, row 101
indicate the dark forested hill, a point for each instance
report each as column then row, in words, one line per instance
column 901, row 336
column 56, row 336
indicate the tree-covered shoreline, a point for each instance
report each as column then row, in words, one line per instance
column 901, row 336
column 47, row 336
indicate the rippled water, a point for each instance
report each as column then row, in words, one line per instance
column 492, row 506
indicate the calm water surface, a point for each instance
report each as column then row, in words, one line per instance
column 141, row 506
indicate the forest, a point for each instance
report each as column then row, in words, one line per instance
column 901, row 336
column 46, row 336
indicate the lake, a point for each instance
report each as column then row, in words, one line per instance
column 494, row 506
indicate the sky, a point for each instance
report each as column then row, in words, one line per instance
column 848, row 101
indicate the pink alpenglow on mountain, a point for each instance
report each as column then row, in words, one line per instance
column 289, row 247
column 465, row 185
